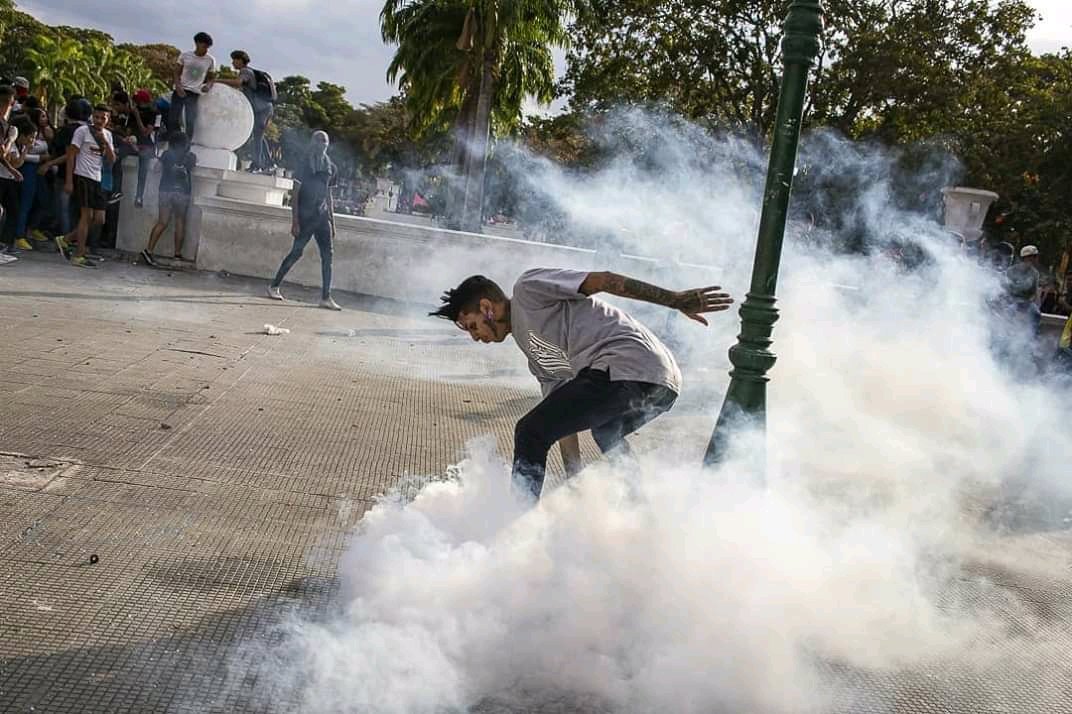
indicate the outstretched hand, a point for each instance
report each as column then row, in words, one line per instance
column 692, row 303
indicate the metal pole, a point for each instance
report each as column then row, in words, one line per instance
column 745, row 403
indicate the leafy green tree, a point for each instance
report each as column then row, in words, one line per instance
column 59, row 69
column 465, row 61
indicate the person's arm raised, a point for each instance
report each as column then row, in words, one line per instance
column 690, row 302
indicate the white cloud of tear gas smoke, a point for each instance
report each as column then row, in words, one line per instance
column 869, row 568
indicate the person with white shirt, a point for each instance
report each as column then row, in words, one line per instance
column 194, row 75
column 11, row 151
column 599, row 368
column 90, row 147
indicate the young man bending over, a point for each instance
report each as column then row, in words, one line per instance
column 598, row 368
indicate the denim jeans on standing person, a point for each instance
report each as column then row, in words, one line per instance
column 261, row 160
column 29, row 191
column 181, row 106
column 319, row 228
column 590, row 401
column 146, row 154
column 10, row 191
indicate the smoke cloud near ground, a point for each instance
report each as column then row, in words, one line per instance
column 871, row 561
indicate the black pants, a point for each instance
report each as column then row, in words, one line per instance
column 260, row 159
column 184, row 106
column 611, row 410
column 10, row 190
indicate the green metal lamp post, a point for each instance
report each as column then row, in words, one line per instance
column 746, row 398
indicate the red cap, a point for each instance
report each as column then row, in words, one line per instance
column 142, row 96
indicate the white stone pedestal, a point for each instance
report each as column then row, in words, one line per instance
column 135, row 223
column 965, row 210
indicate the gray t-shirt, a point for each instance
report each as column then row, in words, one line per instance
column 561, row 331
column 249, row 88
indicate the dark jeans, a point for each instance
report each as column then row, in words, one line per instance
column 184, row 105
column 319, row 228
column 146, row 154
column 31, row 200
column 260, row 159
column 10, row 190
column 611, row 410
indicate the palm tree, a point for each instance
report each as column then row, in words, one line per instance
column 476, row 60
column 59, row 69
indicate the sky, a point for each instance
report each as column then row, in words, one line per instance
column 334, row 41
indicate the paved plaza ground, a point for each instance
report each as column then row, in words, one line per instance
column 172, row 478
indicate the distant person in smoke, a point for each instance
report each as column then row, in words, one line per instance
column 1022, row 279
column 176, row 185
column 599, row 369
column 313, row 212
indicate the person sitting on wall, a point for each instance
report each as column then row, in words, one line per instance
column 599, row 369
column 313, row 216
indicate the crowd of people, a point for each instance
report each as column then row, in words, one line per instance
column 61, row 185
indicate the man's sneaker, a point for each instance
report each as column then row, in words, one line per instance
column 115, row 197
column 23, row 244
column 82, row 261
column 38, row 235
column 147, row 258
column 329, row 304
column 61, row 245
column 273, row 292
column 6, row 258
column 95, row 257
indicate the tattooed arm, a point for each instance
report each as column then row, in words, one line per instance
column 690, row 302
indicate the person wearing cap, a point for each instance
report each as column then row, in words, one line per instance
column 149, row 125
column 1022, row 279
column 194, row 74
column 22, row 93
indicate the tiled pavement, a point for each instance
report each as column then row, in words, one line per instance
column 212, row 472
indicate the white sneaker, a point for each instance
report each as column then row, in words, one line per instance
column 329, row 304
column 273, row 292
column 6, row 258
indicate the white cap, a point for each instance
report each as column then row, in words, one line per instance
column 1028, row 250
column 22, row 82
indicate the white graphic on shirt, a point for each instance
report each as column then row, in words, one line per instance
column 550, row 357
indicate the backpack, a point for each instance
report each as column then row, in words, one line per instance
column 265, row 87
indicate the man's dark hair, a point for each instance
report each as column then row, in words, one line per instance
column 24, row 125
column 121, row 97
column 178, row 140
column 78, row 109
column 240, row 55
column 467, row 296
column 6, row 92
column 31, row 102
column 103, row 108
column 203, row 38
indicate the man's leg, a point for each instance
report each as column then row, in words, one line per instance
column 295, row 253
column 260, row 120
column 176, row 113
column 322, row 232
column 646, row 401
column 588, row 401
column 145, row 160
column 162, row 220
column 81, row 231
column 27, row 193
column 179, row 204
column 191, row 114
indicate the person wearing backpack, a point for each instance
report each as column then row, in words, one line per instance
column 259, row 88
